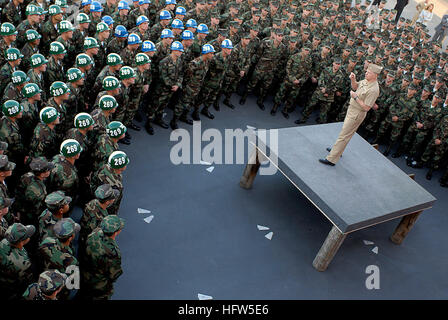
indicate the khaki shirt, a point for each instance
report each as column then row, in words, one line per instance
column 367, row 92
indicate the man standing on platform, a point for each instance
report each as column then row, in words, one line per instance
column 367, row 91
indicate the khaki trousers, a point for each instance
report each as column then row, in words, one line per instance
column 352, row 121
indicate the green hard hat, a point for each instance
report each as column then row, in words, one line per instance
column 12, row 108
column 83, row 60
column 111, row 224
column 115, row 129
column 107, row 102
column 57, row 48
column 114, row 59
column 65, row 26
column 141, row 59
column 118, row 160
column 19, row 77
column 65, row 228
column 111, row 83
column 126, row 73
column 74, row 74
column 83, row 120
column 48, row 115
column 30, row 90
column 83, row 18
column 50, row 281
column 54, row 9
column 32, row 35
column 18, row 232
column 58, row 88
column 70, row 148
column 90, row 42
column 13, row 54
column 61, row 3
column 7, row 29
column 37, row 60
column 100, row 27
column 32, row 9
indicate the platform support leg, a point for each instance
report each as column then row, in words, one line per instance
column 404, row 227
column 251, row 170
column 328, row 249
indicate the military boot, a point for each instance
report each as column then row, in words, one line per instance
column 244, row 98
column 216, row 104
column 260, row 103
column 161, row 123
column 398, row 153
column 195, row 115
column 429, row 174
column 207, row 113
column 149, row 128
column 227, row 102
column 173, row 123
column 274, row 108
column 389, row 147
column 184, row 118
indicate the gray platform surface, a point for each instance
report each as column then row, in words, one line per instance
column 363, row 189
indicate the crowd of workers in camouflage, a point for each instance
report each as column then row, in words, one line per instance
column 72, row 89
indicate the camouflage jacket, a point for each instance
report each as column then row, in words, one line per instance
column 106, row 175
column 78, row 40
column 128, row 56
column 91, row 219
column 13, row 14
column 33, row 293
column 101, row 121
column 5, row 75
column 49, row 34
column 104, row 147
column 44, row 142
column 39, row 79
column 441, row 130
column 404, row 108
column 298, row 68
column 331, row 82
column 141, row 79
column 12, row 93
column 105, row 72
column 55, row 72
column 116, row 46
column 123, row 20
column 29, row 120
column 269, row 56
column 46, row 221
column 109, row 10
column 196, row 47
column 55, row 255
column 155, row 32
column 64, row 123
column 217, row 69
column 30, row 196
column 3, row 227
column 195, row 73
column 15, row 265
column 64, row 176
column 27, row 52
column 10, row 133
column 319, row 64
column 170, row 73
column 429, row 116
column 21, row 32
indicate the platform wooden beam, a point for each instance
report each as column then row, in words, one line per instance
column 251, row 170
column 329, row 249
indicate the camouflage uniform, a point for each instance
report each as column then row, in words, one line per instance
column 65, row 123
column 64, row 177
column 105, row 72
column 101, row 121
column 5, row 75
column 136, row 95
column 116, row 46
column 27, row 52
column 91, row 219
column 106, row 175
column 39, row 79
column 13, row 14
column 55, row 72
column 104, row 147
column 213, row 81
column 49, row 34
column 44, row 142
column 433, row 153
column 55, row 255
column 10, row 133
column 12, row 93
column 46, row 222
column 30, row 198
column 128, row 56
column 123, row 98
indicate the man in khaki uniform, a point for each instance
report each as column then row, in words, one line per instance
column 367, row 91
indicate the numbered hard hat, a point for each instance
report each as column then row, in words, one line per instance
column 115, row 129
column 61, row 3
column 111, row 83
column 114, row 59
column 30, row 90
column 141, row 19
column 141, row 59
column 191, row 23
column 37, row 60
column 54, row 9
column 181, row 11
column 74, row 74
column 57, row 48
column 168, row 2
column 108, row 20
column 13, row 54
column 32, row 35
column 19, row 77
column 134, row 39
column 48, row 115
column 126, row 73
column 58, row 88
column 148, row 46
column 177, row 46
column 118, row 160
column 86, row 3
column 165, row 15
column 82, row 18
column 32, row 9
column 83, row 120
column 202, row 28
column 65, row 26
column 90, row 43
column 142, row 2
column 121, row 32
column 7, row 29
column 227, row 44
column 187, row 35
column 123, row 5
column 177, row 24
column 12, row 108
column 101, row 27
column 83, row 60
column 207, row 48
column 107, row 102
column 166, row 33
column 95, row 6
column 70, row 148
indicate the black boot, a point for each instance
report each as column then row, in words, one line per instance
column 149, row 128
column 173, row 123
column 260, row 103
column 398, row 153
column 243, row 98
column 301, row 120
column 429, row 174
column 387, row 151
column 227, row 102
column 195, row 115
column 216, row 104
column 161, row 123
column 274, row 108
column 285, row 114
column 444, row 181
column 207, row 113
column 184, row 118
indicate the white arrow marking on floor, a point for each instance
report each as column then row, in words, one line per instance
column 204, row 297
column 210, row 169
column 251, row 128
column 149, row 219
column 375, row 250
column 140, row 210
column 367, row 242
column 205, row 163
column 269, row 235
column 261, row 228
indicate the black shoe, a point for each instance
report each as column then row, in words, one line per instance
column 429, row 174
column 124, row 141
column 243, row 99
column 300, row 121
column 195, row 115
column 173, row 124
column 285, row 114
column 325, row 161
column 207, row 113
column 443, row 183
column 216, row 105
column 186, row 120
column 329, row 149
column 227, row 102
column 161, row 123
column 273, row 112
column 260, row 104
column 149, row 128
column 138, row 117
column 134, row 127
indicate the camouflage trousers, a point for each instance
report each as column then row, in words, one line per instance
column 374, row 119
column 125, row 114
column 413, row 139
column 325, row 107
column 396, row 129
column 343, row 112
column 162, row 98
column 210, row 93
column 287, row 89
column 230, row 85
column 265, row 78
column 436, row 151
column 187, row 101
column 95, row 288
column 115, row 207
